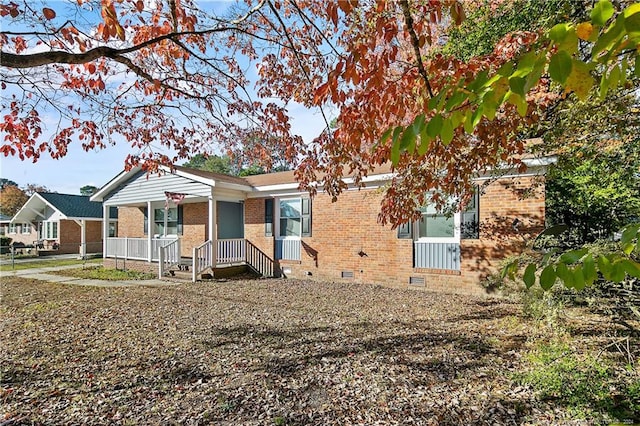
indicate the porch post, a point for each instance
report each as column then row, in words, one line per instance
column 83, row 238
column 150, row 219
column 213, row 230
column 105, row 229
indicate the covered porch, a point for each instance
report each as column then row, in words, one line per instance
column 181, row 219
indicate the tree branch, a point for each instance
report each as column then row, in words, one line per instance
column 404, row 4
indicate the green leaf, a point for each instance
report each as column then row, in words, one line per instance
column 455, row 100
column 628, row 248
column 613, row 33
column 434, row 103
column 479, row 82
column 547, row 277
column 565, row 275
column 604, row 265
column 534, row 76
column 446, row 133
column 516, row 84
column 589, row 270
column 468, row 123
column 618, row 271
column 573, row 256
column 632, row 23
column 425, row 141
column 632, row 268
column 385, row 136
column 601, row 12
column 629, row 233
column 559, row 32
column 434, row 126
column 408, row 139
column 578, row 278
column 395, row 147
column 560, row 66
column 519, row 102
column 637, row 66
column 529, row 276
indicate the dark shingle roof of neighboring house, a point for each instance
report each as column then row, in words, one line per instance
column 4, row 218
column 73, row 205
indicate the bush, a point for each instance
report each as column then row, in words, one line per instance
column 5, row 243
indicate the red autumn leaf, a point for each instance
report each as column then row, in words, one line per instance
column 48, row 13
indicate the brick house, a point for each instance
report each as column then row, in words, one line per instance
column 208, row 220
column 63, row 223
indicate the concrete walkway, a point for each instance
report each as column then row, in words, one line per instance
column 43, row 275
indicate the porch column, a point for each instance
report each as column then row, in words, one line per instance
column 150, row 219
column 213, row 230
column 83, row 238
column 105, row 229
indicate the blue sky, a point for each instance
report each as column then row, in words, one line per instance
column 79, row 168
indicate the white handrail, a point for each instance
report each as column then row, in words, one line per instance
column 168, row 256
column 202, row 259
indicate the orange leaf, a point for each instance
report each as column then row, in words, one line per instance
column 91, row 68
column 584, row 30
column 49, row 13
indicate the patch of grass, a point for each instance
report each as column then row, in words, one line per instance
column 101, row 273
column 46, row 263
column 588, row 387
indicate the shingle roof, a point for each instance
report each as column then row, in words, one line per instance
column 73, row 205
column 212, row 175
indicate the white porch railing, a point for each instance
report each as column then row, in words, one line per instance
column 135, row 248
column 202, row 259
column 230, row 251
column 168, row 256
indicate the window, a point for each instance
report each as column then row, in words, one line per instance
column 295, row 217
column 113, row 229
column 268, row 217
column 26, row 228
column 12, row 228
column 48, row 230
column 290, row 218
column 171, row 226
column 434, row 224
column 3, row 230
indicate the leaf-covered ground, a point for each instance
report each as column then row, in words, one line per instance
column 263, row 352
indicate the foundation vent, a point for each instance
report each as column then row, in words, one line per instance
column 346, row 274
column 417, row 281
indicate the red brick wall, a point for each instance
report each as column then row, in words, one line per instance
column 342, row 230
column 195, row 228
column 131, row 222
column 70, row 236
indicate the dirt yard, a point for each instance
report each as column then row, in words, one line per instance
column 265, row 352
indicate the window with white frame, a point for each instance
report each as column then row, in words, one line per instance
column 26, row 228
column 445, row 225
column 3, row 230
column 295, row 217
column 172, row 225
column 113, row 229
column 438, row 226
column 13, row 228
column 48, row 230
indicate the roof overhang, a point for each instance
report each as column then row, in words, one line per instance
column 114, row 183
column 33, row 208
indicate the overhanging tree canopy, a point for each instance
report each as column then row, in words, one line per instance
column 177, row 76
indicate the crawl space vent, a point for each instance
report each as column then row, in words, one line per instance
column 417, row 281
column 346, row 274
